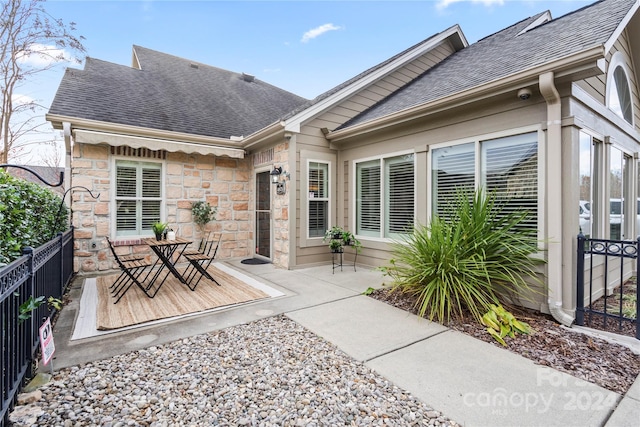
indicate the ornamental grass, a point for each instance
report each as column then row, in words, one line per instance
column 477, row 255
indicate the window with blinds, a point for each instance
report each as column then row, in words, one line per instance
column 388, row 183
column 453, row 169
column 400, row 191
column 508, row 166
column 318, row 199
column 138, row 197
column 368, row 198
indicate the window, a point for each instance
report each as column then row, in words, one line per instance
column 617, row 186
column 138, row 197
column 453, row 169
column 390, row 183
column 508, row 166
column 619, row 93
column 586, row 183
column 318, row 199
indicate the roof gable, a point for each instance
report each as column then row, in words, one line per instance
column 172, row 94
column 513, row 50
column 341, row 92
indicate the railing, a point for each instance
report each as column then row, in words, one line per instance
column 609, row 258
column 44, row 271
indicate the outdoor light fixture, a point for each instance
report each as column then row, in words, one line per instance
column 278, row 177
column 275, row 174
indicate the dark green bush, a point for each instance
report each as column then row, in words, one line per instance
column 27, row 216
column 469, row 260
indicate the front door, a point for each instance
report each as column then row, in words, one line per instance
column 263, row 214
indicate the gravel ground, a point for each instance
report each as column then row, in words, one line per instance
column 269, row 372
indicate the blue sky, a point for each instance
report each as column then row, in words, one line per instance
column 306, row 47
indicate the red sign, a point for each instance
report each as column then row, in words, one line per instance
column 46, row 342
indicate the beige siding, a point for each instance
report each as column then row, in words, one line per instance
column 312, row 138
column 597, row 86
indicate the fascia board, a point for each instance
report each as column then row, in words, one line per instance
column 293, row 124
column 545, row 17
column 621, row 26
column 524, row 78
column 78, row 123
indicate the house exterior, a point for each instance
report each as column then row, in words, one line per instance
column 546, row 112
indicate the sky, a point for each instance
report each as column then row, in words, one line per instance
column 305, row 47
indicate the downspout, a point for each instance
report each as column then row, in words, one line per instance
column 68, row 154
column 554, row 198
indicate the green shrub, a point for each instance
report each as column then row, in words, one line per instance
column 203, row 213
column 28, row 216
column 500, row 324
column 469, row 260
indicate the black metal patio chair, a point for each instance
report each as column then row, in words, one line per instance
column 199, row 262
column 131, row 269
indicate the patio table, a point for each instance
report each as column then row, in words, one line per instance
column 166, row 251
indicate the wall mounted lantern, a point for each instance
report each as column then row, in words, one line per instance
column 275, row 174
column 278, row 177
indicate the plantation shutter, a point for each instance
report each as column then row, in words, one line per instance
column 318, row 193
column 400, row 190
column 453, row 169
column 368, row 198
column 138, row 197
column 510, row 168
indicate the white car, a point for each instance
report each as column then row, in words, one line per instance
column 585, row 218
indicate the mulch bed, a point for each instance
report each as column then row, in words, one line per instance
column 610, row 366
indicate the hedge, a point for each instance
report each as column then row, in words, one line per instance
column 28, row 216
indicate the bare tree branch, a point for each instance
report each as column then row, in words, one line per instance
column 31, row 41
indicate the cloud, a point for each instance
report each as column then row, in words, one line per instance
column 19, row 99
column 40, row 55
column 443, row 4
column 318, row 31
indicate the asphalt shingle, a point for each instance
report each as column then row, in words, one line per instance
column 172, row 94
column 505, row 53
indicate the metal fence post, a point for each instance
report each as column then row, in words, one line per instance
column 637, row 289
column 580, row 281
column 30, row 329
column 61, row 250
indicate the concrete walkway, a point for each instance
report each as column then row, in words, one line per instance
column 470, row 381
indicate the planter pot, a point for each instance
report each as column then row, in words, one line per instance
column 337, row 250
column 158, row 236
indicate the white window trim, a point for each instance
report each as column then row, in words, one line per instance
column 306, row 157
column 112, row 209
column 307, row 199
column 352, row 173
column 619, row 60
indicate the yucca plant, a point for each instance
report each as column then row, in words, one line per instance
column 469, row 259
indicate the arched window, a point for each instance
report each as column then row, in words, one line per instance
column 618, row 90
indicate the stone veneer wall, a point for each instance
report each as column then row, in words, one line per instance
column 280, row 210
column 224, row 182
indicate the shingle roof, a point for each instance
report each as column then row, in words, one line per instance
column 505, row 53
column 172, row 94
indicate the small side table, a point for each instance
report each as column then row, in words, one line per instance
column 337, row 259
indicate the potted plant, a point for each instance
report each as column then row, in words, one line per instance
column 336, row 246
column 339, row 237
column 158, row 229
column 203, row 213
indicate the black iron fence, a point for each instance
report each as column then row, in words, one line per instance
column 43, row 271
column 610, row 262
